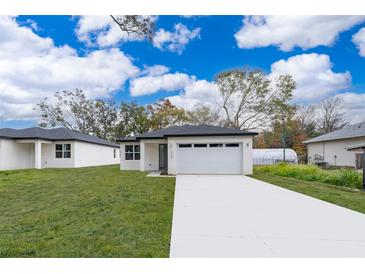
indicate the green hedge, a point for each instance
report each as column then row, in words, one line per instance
column 341, row 177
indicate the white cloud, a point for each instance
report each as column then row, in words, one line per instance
column 353, row 106
column 198, row 92
column 177, row 40
column 313, row 75
column 32, row 67
column 288, row 32
column 166, row 82
column 359, row 41
column 155, row 70
column 101, row 31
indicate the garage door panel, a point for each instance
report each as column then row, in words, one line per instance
column 209, row 160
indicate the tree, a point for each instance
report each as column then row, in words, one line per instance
column 203, row 115
column 105, row 116
column 250, row 99
column 141, row 26
column 331, row 115
column 307, row 119
column 164, row 114
column 132, row 120
column 72, row 110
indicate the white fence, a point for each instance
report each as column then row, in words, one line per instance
column 273, row 156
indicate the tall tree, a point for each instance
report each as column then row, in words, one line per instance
column 331, row 115
column 141, row 26
column 132, row 119
column 164, row 114
column 72, row 110
column 250, row 99
column 307, row 119
column 203, row 115
column 105, row 117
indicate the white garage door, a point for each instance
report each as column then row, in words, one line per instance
column 217, row 158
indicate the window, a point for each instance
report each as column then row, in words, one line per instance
column 132, row 152
column 115, row 153
column 63, row 151
column 137, row 152
column 184, row 145
column 232, row 145
column 200, row 145
column 129, row 152
column 215, row 145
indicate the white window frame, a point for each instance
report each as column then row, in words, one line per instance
column 63, row 151
column 132, row 152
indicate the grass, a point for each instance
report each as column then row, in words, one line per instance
column 342, row 196
column 86, row 212
column 340, row 177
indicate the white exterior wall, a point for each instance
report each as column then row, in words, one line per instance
column 21, row 154
column 129, row 164
column 14, row 155
column 49, row 159
column 329, row 149
column 88, row 154
column 151, row 156
column 246, row 143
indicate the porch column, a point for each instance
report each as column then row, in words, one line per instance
column 38, row 154
column 141, row 161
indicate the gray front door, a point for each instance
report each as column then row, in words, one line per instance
column 163, row 156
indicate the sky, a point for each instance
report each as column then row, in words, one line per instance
column 40, row 55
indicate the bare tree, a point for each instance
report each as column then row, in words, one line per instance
column 250, row 99
column 331, row 115
column 141, row 26
column 203, row 115
column 306, row 115
column 307, row 118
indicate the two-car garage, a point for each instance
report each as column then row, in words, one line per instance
column 209, row 158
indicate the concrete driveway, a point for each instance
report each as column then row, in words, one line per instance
column 237, row 216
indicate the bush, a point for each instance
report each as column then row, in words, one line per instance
column 341, row 177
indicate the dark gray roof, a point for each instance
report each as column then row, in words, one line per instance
column 357, row 130
column 128, row 139
column 190, row 131
column 54, row 134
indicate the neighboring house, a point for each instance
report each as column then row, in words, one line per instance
column 332, row 148
column 189, row 150
column 56, row 148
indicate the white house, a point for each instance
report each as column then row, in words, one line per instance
column 53, row 148
column 189, row 150
column 332, row 148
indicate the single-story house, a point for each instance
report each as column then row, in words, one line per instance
column 54, row 148
column 332, row 148
column 189, row 149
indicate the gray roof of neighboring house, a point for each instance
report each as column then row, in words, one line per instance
column 356, row 147
column 357, row 130
column 189, row 131
column 54, row 134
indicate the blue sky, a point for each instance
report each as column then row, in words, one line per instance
column 323, row 55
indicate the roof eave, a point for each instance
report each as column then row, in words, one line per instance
column 334, row 139
column 200, row 135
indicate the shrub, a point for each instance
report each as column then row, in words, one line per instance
column 341, row 177
column 350, row 178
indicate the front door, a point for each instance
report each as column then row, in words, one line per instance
column 163, row 156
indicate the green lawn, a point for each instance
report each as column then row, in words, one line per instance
column 346, row 197
column 85, row 212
